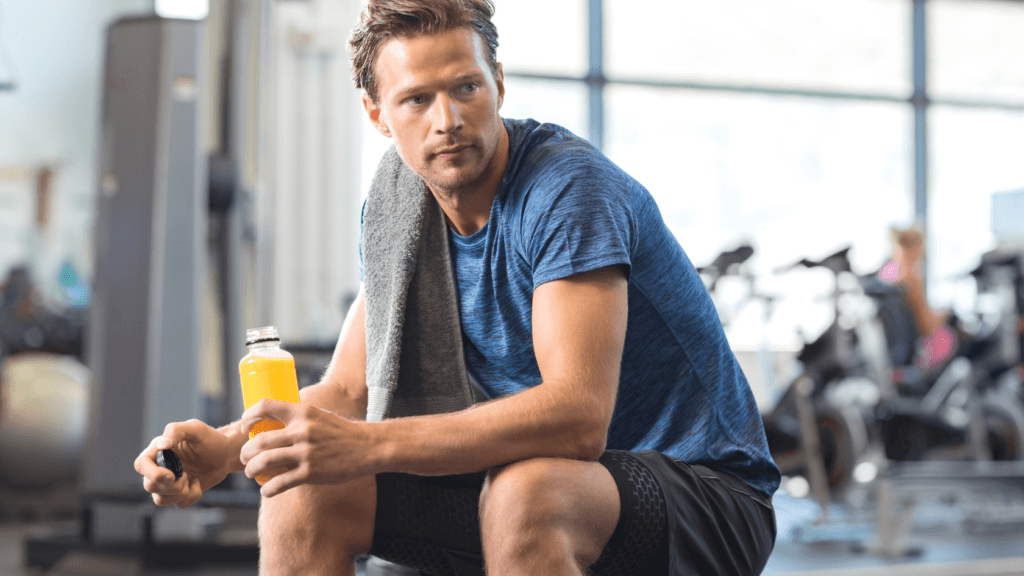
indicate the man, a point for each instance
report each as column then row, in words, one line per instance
column 619, row 435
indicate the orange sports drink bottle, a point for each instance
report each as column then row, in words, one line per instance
column 267, row 371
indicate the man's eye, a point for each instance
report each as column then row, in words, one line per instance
column 469, row 87
column 418, row 99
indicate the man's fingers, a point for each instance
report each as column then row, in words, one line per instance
column 193, row 492
column 165, row 488
column 284, row 481
column 267, row 440
column 165, row 500
column 178, row 432
column 146, row 465
column 174, row 434
column 268, row 462
column 267, row 409
column 165, row 494
column 140, row 461
column 159, row 481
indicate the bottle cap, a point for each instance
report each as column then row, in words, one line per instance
column 168, row 459
column 264, row 334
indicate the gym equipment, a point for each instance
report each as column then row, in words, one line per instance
column 996, row 349
column 955, row 411
column 825, row 418
column 731, row 301
column 44, row 390
column 43, row 416
column 902, row 486
column 725, row 263
column 150, row 259
column 29, row 324
column 961, row 408
column 145, row 344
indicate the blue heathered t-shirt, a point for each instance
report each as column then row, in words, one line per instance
column 563, row 208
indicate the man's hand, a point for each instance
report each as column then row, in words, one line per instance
column 315, row 447
column 206, row 459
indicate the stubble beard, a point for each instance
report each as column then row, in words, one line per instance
column 462, row 184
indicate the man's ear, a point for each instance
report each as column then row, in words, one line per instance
column 499, row 80
column 373, row 111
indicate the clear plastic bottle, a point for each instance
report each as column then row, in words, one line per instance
column 267, row 371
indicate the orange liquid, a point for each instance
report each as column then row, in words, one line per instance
column 272, row 378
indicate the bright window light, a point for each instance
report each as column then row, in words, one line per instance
column 798, row 487
column 188, row 9
column 865, row 472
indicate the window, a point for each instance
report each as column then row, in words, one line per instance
column 542, row 36
column 559, row 102
column 796, row 177
column 975, row 50
column 975, row 153
column 852, row 45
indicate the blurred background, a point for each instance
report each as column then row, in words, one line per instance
column 848, row 177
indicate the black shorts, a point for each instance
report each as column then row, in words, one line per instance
column 675, row 518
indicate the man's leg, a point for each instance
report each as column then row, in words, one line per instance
column 547, row 516
column 317, row 530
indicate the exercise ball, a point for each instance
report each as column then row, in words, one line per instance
column 43, row 418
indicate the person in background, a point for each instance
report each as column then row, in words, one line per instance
column 937, row 340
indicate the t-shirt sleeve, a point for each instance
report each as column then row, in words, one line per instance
column 577, row 218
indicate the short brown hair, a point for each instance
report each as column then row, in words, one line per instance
column 383, row 20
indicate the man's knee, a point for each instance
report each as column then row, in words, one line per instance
column 329, row 524
column 526, row 492
column 548, row 506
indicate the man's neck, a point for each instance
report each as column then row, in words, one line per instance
column 469, row 209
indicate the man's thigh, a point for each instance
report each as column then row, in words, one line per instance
column 430, row 523
column 433, row 523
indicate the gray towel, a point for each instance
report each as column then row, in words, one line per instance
column 414, row 361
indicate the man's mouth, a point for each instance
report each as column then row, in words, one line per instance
column 451, row 151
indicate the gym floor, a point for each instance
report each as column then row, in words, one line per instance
column 946, row 544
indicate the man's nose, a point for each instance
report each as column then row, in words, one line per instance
column 448, row 116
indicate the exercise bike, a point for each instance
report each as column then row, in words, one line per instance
column 964, row 408
column 837, row 388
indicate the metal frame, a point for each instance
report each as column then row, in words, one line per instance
column 919, row 100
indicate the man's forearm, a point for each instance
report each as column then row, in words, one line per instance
column 539, row 422
column 324, row 395
column 237, row 439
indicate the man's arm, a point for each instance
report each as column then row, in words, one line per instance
column 341, row 390
column 209, row 457
column 579, row 326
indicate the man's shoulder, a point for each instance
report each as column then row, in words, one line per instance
column 541, row 145
column 548, row 157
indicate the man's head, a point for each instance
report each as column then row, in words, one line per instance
column 433, row 86
column 383, row 20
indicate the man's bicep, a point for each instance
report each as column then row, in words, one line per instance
column 579, row 330
column 346, row 374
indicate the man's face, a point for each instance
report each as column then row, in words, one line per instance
column 439, row 101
